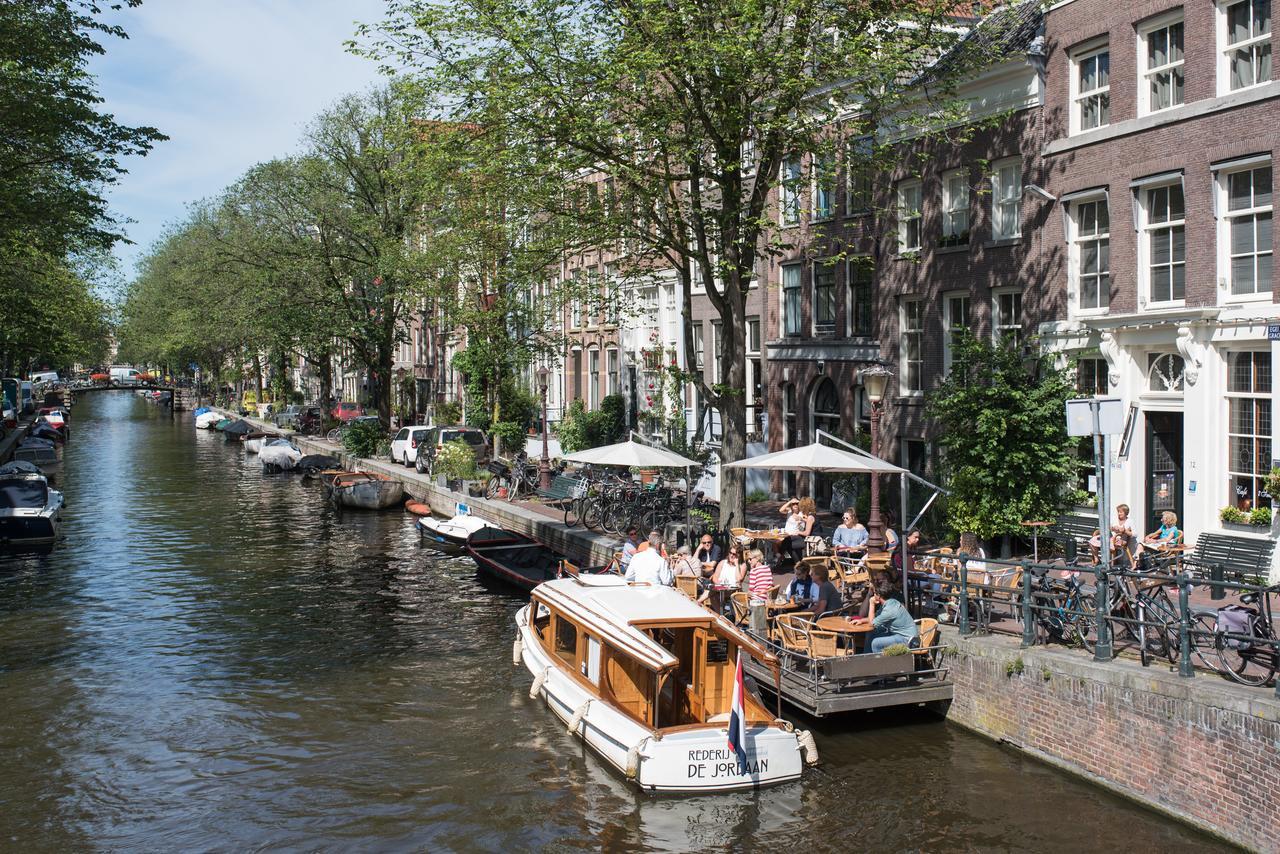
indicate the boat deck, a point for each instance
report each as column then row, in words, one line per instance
column 819, row 696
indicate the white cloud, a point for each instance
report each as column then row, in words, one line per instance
column 232, row 83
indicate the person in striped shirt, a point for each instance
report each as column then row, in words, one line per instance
column 759, row 578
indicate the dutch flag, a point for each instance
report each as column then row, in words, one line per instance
column 738, row 717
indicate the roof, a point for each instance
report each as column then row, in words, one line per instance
column 1005, row 32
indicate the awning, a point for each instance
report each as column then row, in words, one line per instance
column 818, row 458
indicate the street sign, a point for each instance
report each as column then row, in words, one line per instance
column 1273, row 331
column 1080, row 415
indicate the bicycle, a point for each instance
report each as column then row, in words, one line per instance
column 1068, row 612
column 1237, row 634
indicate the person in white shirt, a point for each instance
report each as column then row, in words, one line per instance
column 649, row 566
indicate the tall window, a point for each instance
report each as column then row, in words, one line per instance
column 755, row 373
column 824, row 188
column 1006, row 200
column 1249, row 425
column 910, row 217
column 955, row 208
column 611, row 371
column 1245, row 39
column 1162, row 73
column 912, row 357
column 1091, row 377
column 593, row 378
column 699, row 349
column 1091, row 254
column 791, row 299
column 717, row 364
column 824, row 296
column 1091, row 82
column 1247, row 224
column 858, row 171
column 1165, row 242
column 790, row 185
column 956, row 319
column 861, row 280
column 826, row 408
column 1006, row 315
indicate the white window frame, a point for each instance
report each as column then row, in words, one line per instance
column 906, row 215
column 1225, row 49
column 999, row 323
column 1258, row 400
column 1145, row 231
column 1074, row 243
column 827, row 267
column 593, row 377
column 1147, row 75
column 790, row 183
column 907, row 335
column 785, row 313
column 1002, row 198
column 1080, row 56
column 955, row 204
column 611, row 367
column 949, row 300
column 1222, row 184
column 751, row 337
column 822, row 188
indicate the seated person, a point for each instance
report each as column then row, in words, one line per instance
column 850, row 536
column 708, row 553
column 759, row 577
column 799, row 524
column 802, row 590
column 1121, row 537
column 685, row 564
column 649, row 566
column 630, row 546
column 1164, row 536
column 892, row 623
column 728, row 573
column 827, row 597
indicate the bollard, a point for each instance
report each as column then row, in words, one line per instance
column 964, row 596
column 1217, row 576
column 1028, row 632
column 1184, row 627
column 759, row 621
column 1102, row 649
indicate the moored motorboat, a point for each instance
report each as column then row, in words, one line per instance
column 652, row 682
column 453, row 531
column 314, row 464
column 30, row 511
column 208, row 419
column 513, row 558
column 279, row 455
column 39, row 452
column 364, row 490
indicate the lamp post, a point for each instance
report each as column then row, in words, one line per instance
column 874, row 381
column 544, row 465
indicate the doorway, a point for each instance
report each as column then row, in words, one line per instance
column 1164, row 466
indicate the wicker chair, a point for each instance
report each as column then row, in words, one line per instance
column 793, row 632
column 688, row 585
column 823, row 644
column 741, row 607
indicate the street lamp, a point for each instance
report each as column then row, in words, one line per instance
column 875, row 380
column 544, row 465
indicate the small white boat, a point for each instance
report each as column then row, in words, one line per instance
column 364, row 490
column 253, row 446
column 206, row 420
column 453, row 531
column 30, row 512
column 279, row 455
column 646, row 677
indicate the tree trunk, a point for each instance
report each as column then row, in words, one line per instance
column 733, row 406
column 257, row 375
column 326, row 382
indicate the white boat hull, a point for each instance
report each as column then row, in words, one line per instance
column 254, row 446
column 454, row 531
column 695, row 760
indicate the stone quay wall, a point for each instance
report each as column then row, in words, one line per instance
column 1201, row 750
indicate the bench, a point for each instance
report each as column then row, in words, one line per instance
column 1230, row 558
column 564, row 488
column 1074, row 532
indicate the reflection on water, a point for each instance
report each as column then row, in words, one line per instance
column 214, row 659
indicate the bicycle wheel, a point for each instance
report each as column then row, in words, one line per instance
column 494, row 487
column 1201, row 636
column 1246, row 665
column 572, row 512
column 1086, row 622
column 334, row 436
column 591, row 512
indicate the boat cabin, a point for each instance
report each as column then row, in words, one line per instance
column 650, row 652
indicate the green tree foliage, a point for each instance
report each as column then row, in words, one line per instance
column 1002, row 428
column 580, row 429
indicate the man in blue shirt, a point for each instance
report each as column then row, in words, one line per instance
column 892, row 623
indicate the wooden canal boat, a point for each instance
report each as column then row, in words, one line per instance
column 513, row 558
column 364, row 490
column 646, row 678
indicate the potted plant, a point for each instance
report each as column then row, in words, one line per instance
column 457, row 462
column 1250, row 521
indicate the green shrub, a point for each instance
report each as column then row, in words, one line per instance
column 449, row 412
column 897, row 649
column 1233, row 516
column 510, row 434
column 1260, row 516
column 362, row 439
column 457, row 461
column 757, row 495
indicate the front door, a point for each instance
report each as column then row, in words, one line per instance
column 1164, row 466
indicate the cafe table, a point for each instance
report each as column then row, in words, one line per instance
column 854, row 630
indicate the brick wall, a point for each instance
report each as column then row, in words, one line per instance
column 1201, row 749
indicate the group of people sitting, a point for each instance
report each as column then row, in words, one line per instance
column 1125, row 544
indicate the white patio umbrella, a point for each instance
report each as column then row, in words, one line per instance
column 533, row 448
column 631, row 453
column 817, row 458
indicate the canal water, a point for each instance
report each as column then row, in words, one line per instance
column 213, row 659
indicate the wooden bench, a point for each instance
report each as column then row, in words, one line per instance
column 564, row 488
column 1238, row 559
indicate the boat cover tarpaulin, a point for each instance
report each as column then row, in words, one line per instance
column 18, row 467
column 319, row 461
column 239, row 428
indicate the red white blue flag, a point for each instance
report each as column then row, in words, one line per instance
column 738, row 717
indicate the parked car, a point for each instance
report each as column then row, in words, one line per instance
column 26, row 397
column 125, row 376
column 404, row 447
column 346, row 411
column 44, row 377
column 431, row 445
column 289, row 417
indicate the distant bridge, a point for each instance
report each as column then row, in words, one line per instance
column 177, row 396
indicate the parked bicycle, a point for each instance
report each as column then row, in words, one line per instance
column 1245, row 638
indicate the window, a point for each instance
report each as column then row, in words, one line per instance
column 825, row 411
column 1091, row 254
column 824, row 188
column 824, row 297
column 912, row 357
column 955, row 208
column 910, row 218
column 1006, row 315
column 791, row 299
column 1091, row 89
column 1006, row 200
column 593, row 378
column 858, row 172
column 956, row 319
column 1244, row 35
column 699, row 349
column 1246, row 230
column 861, row 275
column 1164, row 242
column 1161, row 86
column 1091, row 377
column 566, row 640
column 611, row 368
column 613, row 295
column 717, row 365
column 1166, row 373
column 1248, row 426
column 754, row 374
column 789, row 189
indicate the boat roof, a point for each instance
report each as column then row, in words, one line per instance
column 617, row 611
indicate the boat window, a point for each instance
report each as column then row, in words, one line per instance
column 717, row 651
column 566, row 639
column 22, row 493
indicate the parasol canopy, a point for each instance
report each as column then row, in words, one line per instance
column 818, row 458
column 631, row 453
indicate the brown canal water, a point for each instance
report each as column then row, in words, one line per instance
column 212, row 659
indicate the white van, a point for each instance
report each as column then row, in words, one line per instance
column 44, row 377
column 124, row 376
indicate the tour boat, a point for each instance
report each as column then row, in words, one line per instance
column 648, row 679
column 30, row 511
column 364, row 490
column 453, row 531
column 513, row 558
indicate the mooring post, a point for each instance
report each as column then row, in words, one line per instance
column 1028, row 634
column 1184, row 627
column 964, row 594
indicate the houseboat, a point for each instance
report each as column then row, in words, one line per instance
column 650, row 681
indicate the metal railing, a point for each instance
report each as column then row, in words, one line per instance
column 1148, row 607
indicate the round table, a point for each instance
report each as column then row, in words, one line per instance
column 845, row 626
column 1035, row 537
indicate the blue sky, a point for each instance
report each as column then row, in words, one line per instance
column 232, row 82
